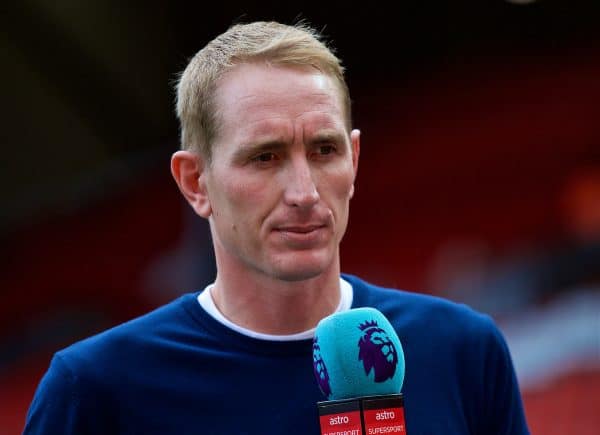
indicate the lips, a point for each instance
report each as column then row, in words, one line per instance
column 300, row 229
column 302, row 236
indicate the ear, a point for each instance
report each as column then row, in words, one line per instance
column 355, row 143
column 189, row 171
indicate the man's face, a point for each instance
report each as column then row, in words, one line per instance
column 282, row 172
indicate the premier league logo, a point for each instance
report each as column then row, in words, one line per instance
column 320, row 370
column 377, row 352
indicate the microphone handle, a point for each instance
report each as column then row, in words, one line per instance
column 369, row 415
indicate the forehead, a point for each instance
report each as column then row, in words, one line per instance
column 255, row 97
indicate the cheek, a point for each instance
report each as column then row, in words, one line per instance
column 347, row 176
column 341, row 185
column 242, row 199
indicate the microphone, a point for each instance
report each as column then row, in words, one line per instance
column 359, row 366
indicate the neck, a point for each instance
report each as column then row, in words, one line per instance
column 271, row 306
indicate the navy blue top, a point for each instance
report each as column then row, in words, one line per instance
column 177, row 370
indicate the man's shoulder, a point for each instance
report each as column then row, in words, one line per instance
column 418, row 310
column 125, row 339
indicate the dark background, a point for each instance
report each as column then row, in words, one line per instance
column 479, row 174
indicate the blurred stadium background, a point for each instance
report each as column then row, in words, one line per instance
column 479, row 177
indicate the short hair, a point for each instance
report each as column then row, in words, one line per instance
column 271, row 42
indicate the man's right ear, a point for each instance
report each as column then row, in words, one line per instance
column 188, row 170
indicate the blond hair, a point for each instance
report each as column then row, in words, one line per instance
column 272, row 42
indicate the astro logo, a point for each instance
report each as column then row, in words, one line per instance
column 320, row 370
column 377, row 352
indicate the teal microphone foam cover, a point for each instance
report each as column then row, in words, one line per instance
column 357, row 353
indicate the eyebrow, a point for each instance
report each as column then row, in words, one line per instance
column 278, row 143
column 259, row 146
column 328, row 135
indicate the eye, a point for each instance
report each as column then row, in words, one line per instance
column 264, row 157
column 326, row 149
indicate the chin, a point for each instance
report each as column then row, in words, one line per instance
column 301, row 269
column 297, row 275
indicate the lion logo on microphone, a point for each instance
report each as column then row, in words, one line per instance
column 320, row 370
column 377, row 352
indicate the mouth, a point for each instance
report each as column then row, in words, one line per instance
column 300, row 229
column 302, row 236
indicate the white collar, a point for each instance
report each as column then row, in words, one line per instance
column 208, row 304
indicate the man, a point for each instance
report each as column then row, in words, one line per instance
column 269, row 158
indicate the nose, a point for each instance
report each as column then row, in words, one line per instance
column 300, row 189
